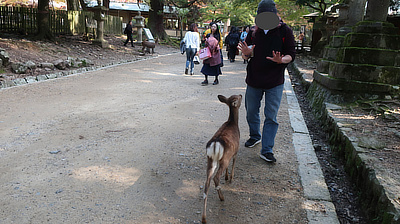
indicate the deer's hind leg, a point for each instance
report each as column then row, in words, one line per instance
column 223, row 165
column 233, row 167
column 210, row 171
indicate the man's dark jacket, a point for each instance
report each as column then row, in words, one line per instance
column 264, row 73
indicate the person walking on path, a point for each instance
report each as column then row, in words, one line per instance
column 192, row 42
column 212, row 66
column 128, row 31
column 271, row 48
column 243, row 36
column 232, row 40
column 301, row 40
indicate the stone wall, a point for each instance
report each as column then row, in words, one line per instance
column 379, row 198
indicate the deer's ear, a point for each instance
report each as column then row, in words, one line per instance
column 222, row 98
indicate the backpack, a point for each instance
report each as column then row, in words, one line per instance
column 233, row 39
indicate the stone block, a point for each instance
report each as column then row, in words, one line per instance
column 60, row 64
column 323, row 66
column 41, row 77
column 19, row 82
column 59, row 74
column 4, row 57
column 352, row 87
column 380, row 57
column 375, row 27
column 390, row 75
column 330, row 53
column 7, row 83
column 30, row 64
column 336, row 41
column 365, row 73
column 30, row 79
column 51, row 76
column 18, row 67
column 47, row 65
column 376, row 40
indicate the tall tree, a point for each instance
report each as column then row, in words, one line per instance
column 156, row 14
column 43, row 22
column 156, row 19
column 291, row 13
column 377, row 10
column 83, row 4
column 72, row 5
column 318, row 5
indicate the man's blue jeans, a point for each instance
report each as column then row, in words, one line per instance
column 272, row 102
column 190, row 53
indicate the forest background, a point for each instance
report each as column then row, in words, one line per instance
column 237, row 12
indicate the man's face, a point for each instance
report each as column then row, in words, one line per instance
column 267, row 20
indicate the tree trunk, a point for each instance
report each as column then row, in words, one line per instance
column 83, row 5
column 72, row 5
column 377, row 10
column 356, row 11
column 106, row 3
column 43, row 22
column 156, row 19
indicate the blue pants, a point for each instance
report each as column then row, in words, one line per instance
column 272, row 102
column 190, row 53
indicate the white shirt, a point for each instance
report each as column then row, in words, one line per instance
column 192, row 39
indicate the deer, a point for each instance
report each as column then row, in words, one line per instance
column 147, row 45
column 223, row 147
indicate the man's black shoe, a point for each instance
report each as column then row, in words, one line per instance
column 252, row 142
column 269, row 157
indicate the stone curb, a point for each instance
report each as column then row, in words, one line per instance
column 304, row 80
column 39, row 78
column 380, row 199
column 318, row 204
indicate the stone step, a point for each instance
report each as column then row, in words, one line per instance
column 365, row 73
column 364, row 40
column 350, row 90
column 323, row 65
column 330, row 53
column 336, row 41
column 370, row 56
column 375, row 27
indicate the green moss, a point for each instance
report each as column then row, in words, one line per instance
column 371, row 49
column 369, row 22
column 387, row 218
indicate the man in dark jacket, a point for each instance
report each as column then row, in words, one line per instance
column 128, row 32
column 271, row 47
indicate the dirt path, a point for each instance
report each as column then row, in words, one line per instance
column 126, row 144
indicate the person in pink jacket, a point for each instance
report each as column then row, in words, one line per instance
column 212, row 66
